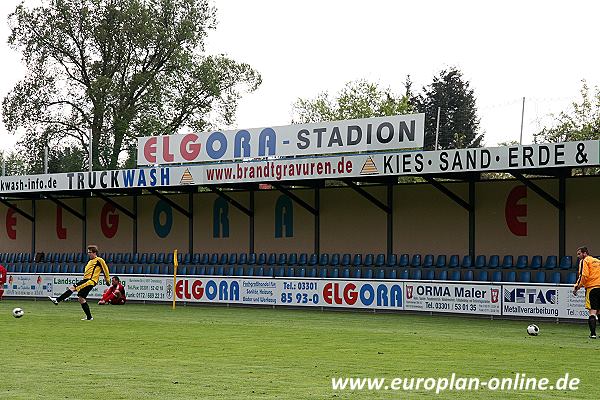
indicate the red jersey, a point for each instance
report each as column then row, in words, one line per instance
column 2, row 275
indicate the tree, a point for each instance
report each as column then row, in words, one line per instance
column 120, row 69
column 358, row 99
column 459, row 123
column 582, row 122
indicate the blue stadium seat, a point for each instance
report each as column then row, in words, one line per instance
column 368, row 273
column 333, row 273
column 243, row 259
column 507, row 262
column 442, row 276
column 220, row 270
column 109, row 257
column 71, row 257
column 494, row 261
column 160, row 258
column 238, row 270
column 334, row 260
column 380, row 273
column 369, row 260
column 282, row 259
column 213, row 259
column 468, row 275
column 539, row 277
column 571, row 278
column 429, row 274
column 301, row 272
column 138, row 269
column 391, row 273
column 404, row 261
column 415, row 274
column 555, row 277
column 480, row 261
column 118, row 258
column 324, row 259
column 380, row 260
column 522, row 262
column 290, row 272
column 252, row 259
column 404, row 273
column 229, row 270
column 454, row 275
column 224, row 259
column 481, row 275
column 510, row 276
column 428, row 261
column 119, row 269
column 249, row 271
column 356, row 273
column 135, row 258
column 467, row 262
column 233, row 259
column 272, row 260
column 323, row 272
column 392, row 260
column 454, row 261
column 62, row 269
column 292, row 259
column 536, row 262
column 71, row 269
column 566, row 262
column 154, row 269
column 312, row 272
column 143, row 258
column 303, row 259
column 313, row 260
column 357, row 260
column 550, row 262
column 524, row 276
column 497, row 276
column 127, row 258
column 279, row 271
column 209, row 270
column 346, row 272
column 416, row 260
column 441, row 261
column 346, row 260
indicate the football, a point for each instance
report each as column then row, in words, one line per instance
column 18, row 312
column 533, row 330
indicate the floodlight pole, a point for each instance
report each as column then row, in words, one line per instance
column 522, row 115
column 91, row 164
column 45, row 159
column 437, row 127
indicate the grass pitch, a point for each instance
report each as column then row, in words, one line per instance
column 150, row 351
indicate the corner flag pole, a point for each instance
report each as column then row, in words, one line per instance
column 175, row 265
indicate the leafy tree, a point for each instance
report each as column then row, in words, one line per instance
column 459, row 123
column 582, row 122
column 12, row 163
column 118, row 69
column 358, row 99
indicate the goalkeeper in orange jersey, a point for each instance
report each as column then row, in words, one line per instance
column 588, row 277
column 91, row 274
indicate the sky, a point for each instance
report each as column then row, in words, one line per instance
column 507, row 50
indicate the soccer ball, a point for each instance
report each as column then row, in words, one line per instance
column 533, row 330
column 18, row 312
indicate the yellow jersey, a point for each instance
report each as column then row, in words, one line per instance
column 588, row 275
column 92, row 272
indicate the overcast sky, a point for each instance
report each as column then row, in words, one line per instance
column 540, row 50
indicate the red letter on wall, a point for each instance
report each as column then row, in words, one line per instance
column 11, row 222
column 514, row 211
column 109, row 220
column 61, row 232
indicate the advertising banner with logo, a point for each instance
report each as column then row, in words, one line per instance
column 542, row 301
column 468, row 298
column 33, row 285
column 454, row 298
column 350, row 136
column 551, row 155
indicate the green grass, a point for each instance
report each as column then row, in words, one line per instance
column 149, row 351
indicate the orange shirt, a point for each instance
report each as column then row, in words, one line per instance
column 588, row 275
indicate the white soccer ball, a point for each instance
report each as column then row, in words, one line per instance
column 533, row 330
column 18, row 312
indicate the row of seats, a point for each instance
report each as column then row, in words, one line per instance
column 459, row 274
column 522, row 262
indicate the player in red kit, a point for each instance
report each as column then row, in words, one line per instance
column 2, row 280
column 115, row 294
